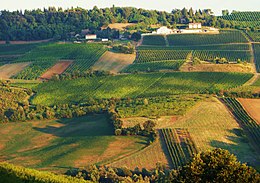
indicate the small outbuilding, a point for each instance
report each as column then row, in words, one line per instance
column 91, row 36
column 195, row 26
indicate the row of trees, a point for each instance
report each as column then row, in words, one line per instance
column 58, row 23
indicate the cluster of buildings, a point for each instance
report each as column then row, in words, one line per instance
column 192, row 28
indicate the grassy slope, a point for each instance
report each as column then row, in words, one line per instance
column 135, row 85
column 212, row 126
column 58, row 145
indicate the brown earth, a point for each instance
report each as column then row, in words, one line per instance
column 252, row 107
column 119, row 26
column 114, row 62
column 9, row 70
column 58, row 68
column 188, row 67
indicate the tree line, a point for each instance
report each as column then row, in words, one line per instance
column 57, row 23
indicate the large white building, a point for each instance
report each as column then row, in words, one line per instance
column 164, row 30
column 194, row 25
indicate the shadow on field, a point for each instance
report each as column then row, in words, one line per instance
column 94, row 125
column 240, row 146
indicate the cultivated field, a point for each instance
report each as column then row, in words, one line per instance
column 203, row 67
column 211, row 125
column 45, row 56
column 252, row 107
column 114, row 62
column 61, row 144
column 58, row 68
column 9, row 70
column 146, row 158
column 172, row 65
column 136, row 85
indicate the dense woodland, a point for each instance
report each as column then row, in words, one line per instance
column 58, row 23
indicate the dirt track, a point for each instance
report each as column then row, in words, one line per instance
column 9, row 70
column 58, row 68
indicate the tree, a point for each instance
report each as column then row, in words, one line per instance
column 149, row 126
column 225, row 12
column 136, row 36
column 217, row 166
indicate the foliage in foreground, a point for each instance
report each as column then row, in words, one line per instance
column 16, row 174
column 211, row 166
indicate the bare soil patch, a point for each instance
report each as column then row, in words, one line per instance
column 58, row 68
column 252, row 107
column 114, row 62
column 9, row 70
column 188, row 67
column 119, row 26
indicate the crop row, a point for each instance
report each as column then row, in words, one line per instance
column 161, row 55
column 243, row 16
column 229, row 55
column 43, row 57
column 136, row 85
column 154, row 40
column 180, row 146
column 34, row 70
column 255, row 36
column 225, row 36
column 256, row 48
column 154, row 66
column 216, row 47
column 17, row 49
column 245, row 120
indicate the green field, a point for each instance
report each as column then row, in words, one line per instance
column 255, row 36
column 257, row 56
column 243, row 19
column 43, row 57
column 154, row 40
column 134, row 85
column 160, row 55
column 229, row 44
column 210, row 55
column 154, row 66
column 224, row 37
column 61, row 144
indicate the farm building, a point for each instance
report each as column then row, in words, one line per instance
column 194, row 25
column 164, row 30
column 91, row 36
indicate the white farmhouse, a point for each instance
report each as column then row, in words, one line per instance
column 91, row 36
column 194, row 25
column 164, row 30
